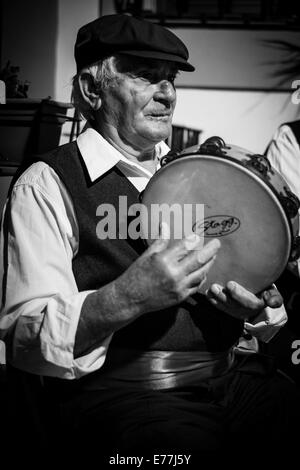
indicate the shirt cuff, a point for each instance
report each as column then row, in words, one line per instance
column 57, row 338
column 267, row 324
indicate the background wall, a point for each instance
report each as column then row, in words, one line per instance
column 234, row 92
column 231, row 94
column 29, row 35
column 247, row 119
column 72, row 14
column 234, row 57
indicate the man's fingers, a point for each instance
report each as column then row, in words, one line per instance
column 163, row 240
column 233, row 298
column 217, row 292
column 196, row 278
column 197, row 258
column 241, row 303
column 181, row 248
column 244, row 297
column 272, row 297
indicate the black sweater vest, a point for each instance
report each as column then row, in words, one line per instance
column 194, row 325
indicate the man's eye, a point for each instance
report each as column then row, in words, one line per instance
column 142, row 75
column 172, row 77
column 147, row 76
column 154, row 77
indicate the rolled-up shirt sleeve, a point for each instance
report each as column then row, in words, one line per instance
column 41, row 303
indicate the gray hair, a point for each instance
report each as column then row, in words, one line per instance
column 104, row 74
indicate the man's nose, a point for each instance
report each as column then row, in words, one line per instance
column 165, row 91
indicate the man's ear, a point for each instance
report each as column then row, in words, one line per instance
column 88, row 90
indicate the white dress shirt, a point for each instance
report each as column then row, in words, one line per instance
column 41, row 290
column 284, row 155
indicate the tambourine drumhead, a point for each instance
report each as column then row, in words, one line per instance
column 223, row 199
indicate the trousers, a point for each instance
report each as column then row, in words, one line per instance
column 250, row 405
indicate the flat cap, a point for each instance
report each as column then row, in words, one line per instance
column 126, row 34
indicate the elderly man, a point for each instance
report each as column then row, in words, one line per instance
column 152, row 360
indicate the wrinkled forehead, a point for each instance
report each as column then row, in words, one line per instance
column 130, row 64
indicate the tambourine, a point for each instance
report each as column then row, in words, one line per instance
column 226, row 192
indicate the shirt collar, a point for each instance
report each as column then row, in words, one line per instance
column 100, row 156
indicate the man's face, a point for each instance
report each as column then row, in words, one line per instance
column 140, row 104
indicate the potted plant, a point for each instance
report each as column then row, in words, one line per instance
column 27, row 126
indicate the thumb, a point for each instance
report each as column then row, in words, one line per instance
column 163, row 239
column 272, row 297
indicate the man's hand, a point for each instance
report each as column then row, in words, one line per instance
column 241, row 303
column 266, row 312
column 165, row 275
column 161, row 277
